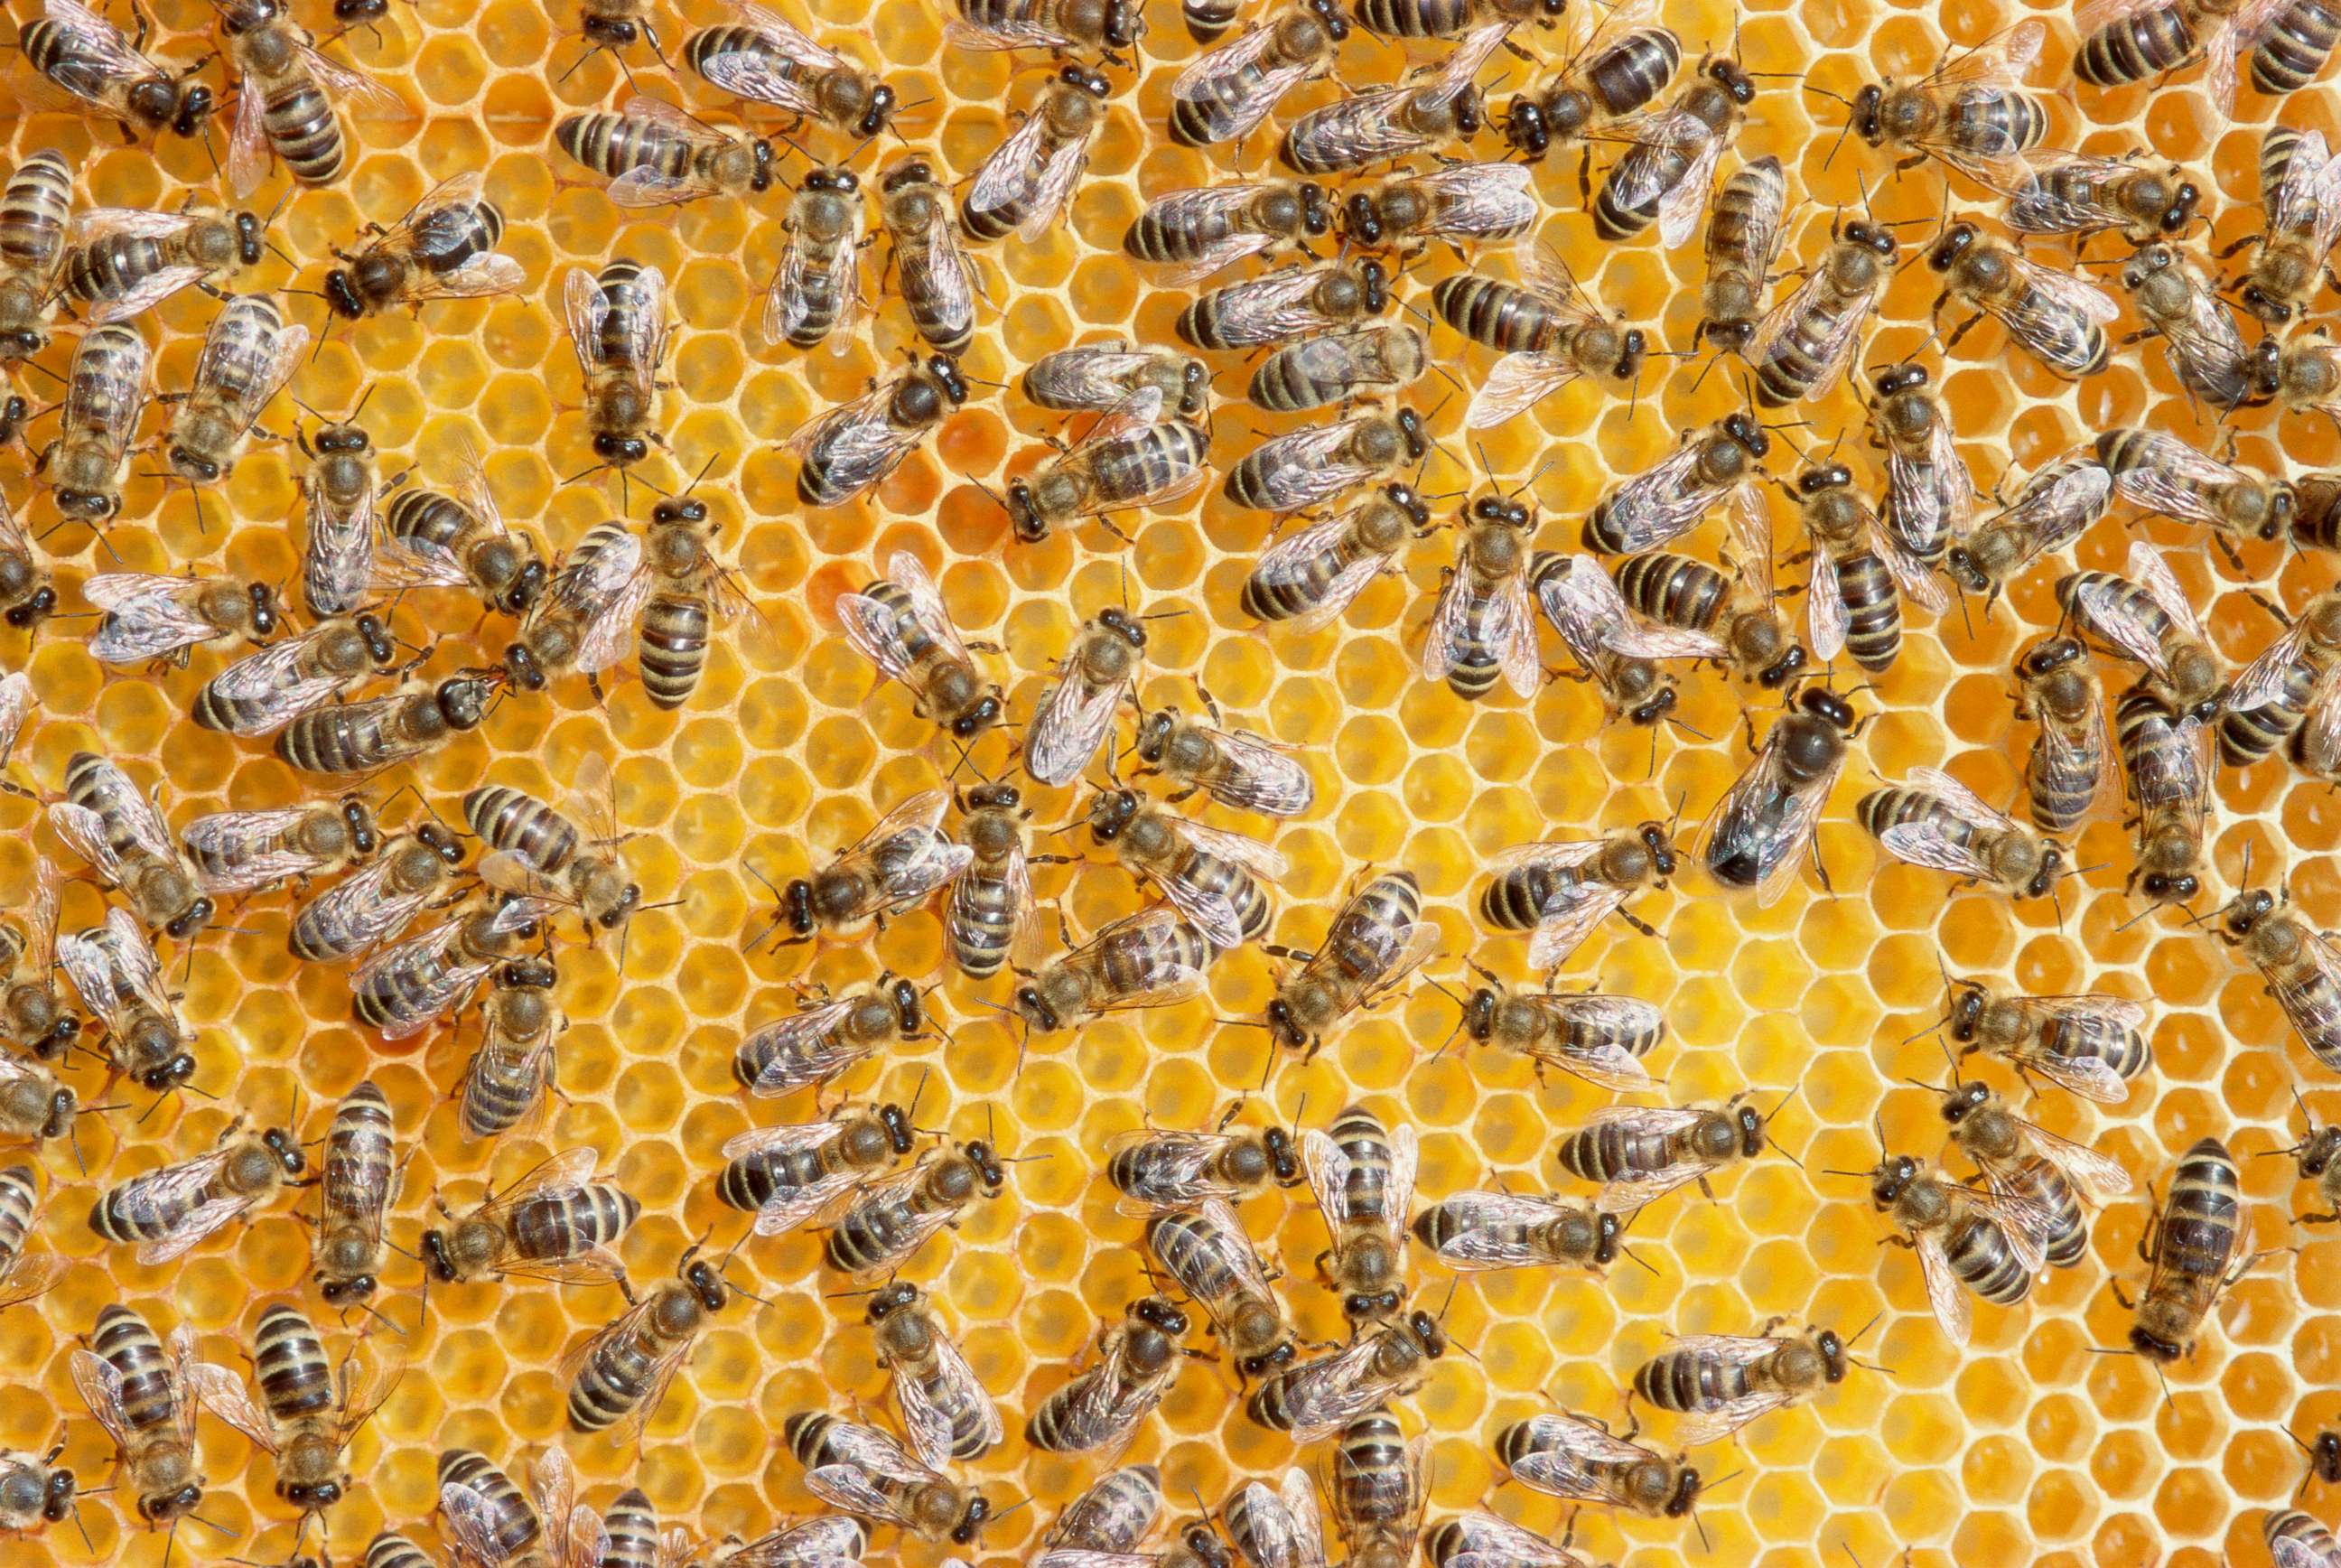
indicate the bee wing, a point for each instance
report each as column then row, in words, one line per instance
column 1585, row 608
column 2036, row 207
column 1564, row 924
column 585, row 306
column 2262, row 681
column 99, row 1385
column 656, row 1375
column 1516, row 384
column 487, row 273
column 92, row 35
column 474, row 1522
column 1492, row 199
column 1328, row 1176
column 2065, row 293
column 2170, row 478
column 1054, row 188
column 30, row 1275
column 1660, row 503
column 1285, row 567
column 94, row 224
column 2316, row 207
column 248, row 152
column 2177, row 775
column 15, row 703
column 1070, row 725
column 1263, row 776
column 1251, row 854
column 2300, row 994
column 1021, row 32
column 146, row 617
column 1206, row 206
column 1229, row 85
column 2207, row 335
column 2100, row 1176
column 1605, row 1062
column 1268, row 309
column 1944, row 1294
column 1911, row 575
column 859, row 444
column 230, row 836
column 2150, row 571
column 800, row 1048
column 1231, row 1248
column 1489, row 1226
column 1304, row 472
column 1323, row 1394
column 2290, row 1550
column 1363, row 128
column 1998, row 62
column 1008, row 176
column 1573, row 1458
column 1685, row 200
column 221, row 1393
column 619, row 573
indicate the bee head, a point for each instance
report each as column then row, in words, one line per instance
column 1124, row 20
column 440, row 842
column 380, row 646
column 1427, row 1330
column 760, row 177
column 1118, row 621
column 1750, row 1124
column 982, row 716
column 2153, row 1346
column 705, row 1281
column 1964, row 1101
column 359, row 821
column 1207, row 1548
column 342, row 294
column 61, row 1113
column 1834, row 1360
column 1003, row 796
column 1373, row 287
column 1741, row 428
column 1956, row 240
column 1499, row 509
column 909, row 171
column 1093, row 83
column 2052, row 866
column 1361, row 220
column 357, row 1287
column 614, row 31
column 945, row 370
column 1282, row 1158
column 900, row 1133
column 194, row 108
column 1469, row 114
column 1023, row 517
column 526, row 587
column 1892, row 1179
column 528, row 974
column 1606, row 1234
column 189, row 919
column 1727, row 74
column 1866, row 119
column 250, row 235
column 1685, row 1492
column 1899, row 378
column 621, row 450
column 2155, row 884
column 2181, row 211
column 171, row 1504
column 1043, row 1017
column 281, row 1143
column 1828, row 706
column 892, row 1299
column 987, row 1166
column 1779, row 673
column 1525, row 130
column 1110, row 813
column 1281, row 1024
column 908, row 1014
column 1154, row 734
column 1330, row 17
column 35, row 610
column 1479, row 1014
column 463, row 702
column 1818, row 481
column 57, row 1498
column 832, row 180
column 1632, row 348
column 971, row 1523
column 1661, row 846
column 264, row 609
column 172, row 1073
column 89, row 506
column 435, row 1259
column 1159, row 1313
column 1870, row 237
column 1660, row 704
column 23, row 343
column 1316, row 217
column 2052, row 654
column 2324, row 1460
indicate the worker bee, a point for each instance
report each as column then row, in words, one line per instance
column 1109, row 26
column 1205, row 1251
column 2302, row 377
column 760, row 56
column 1279, row 1528
column 691, row 589
column 1936, row 821
column 32, row 1014
column 1076, row 714
column 113, row 969
column 1485, row 201
column 2088, row 1045
column 853, row 446
column 2083, row 193
column 1338, row 367
column 2023, row 1161
column 1366, row 128
column 1575, row 1457
column 540, row 851
column 340, row 493
column 2300, row 965
column 34, row 1491
column 2300, row 198
column 824, row 1036
column 1290, row 303
column 86, row 55
column 1639, row 1153
column 557, row 1222
column 932, row 271
column 586, row 618
column 361, row 1177
column 604, row 24
column 1207, row 874
column 168, row 1210
column 2066, row 772
column 1483, row 626
column 1228, row 89
column 1737, row 608
column 1196, row 233
column 444, row 248
column 619, row 1375
column 307, row 1411
column 2313, row 1155
column 945, row 1409
column 1316, row 1398
column 284, row 99
column 1159, row 1173
column 862, row 1470
column 899, row 623
column 1929, row 492
column 1764, row 823
column 1718, row 1383
column 2165, row 474
column 1377, row 939
column 1450, row 19
column 816, row 290
column 36, row 206
column 507, row 1078
column 1024, row 185
column 149, row 616
column 1137, row 1361
column 2054, row 316
column 494, row 1525
column 2276, row 693
column 2164, row 755
column 892, row 867
column 2206, row 350
column 364, row 737
column 1154, row 958
column 123, row 261
column 1743, row 237
column 139, row 1393
column 1969, row 112
column 1990, row 1243
column 24, row 1276
column 1118, row 376
column 1315, row 465
column 1117, row 1513
column 1804, row 344
column 246, row 852
column 1498, row 1230
column 105, row 390
column 1666, row 501
column 109, row 823
column 787, row 1176
column 1362, row 1176
column 1309, row 577
column 1601, row 1039
column 892, row 1218
column 35, row 1107
column 262, row 692
column 1860, row 573
column 2052, row 509
column 1481, row 1539
column 434, row 539
column 1547, row 331
column 618, row 324
column 1618, row 68
column 1617, row 652
column 27, row 597
column 2297, row 1541
column 831, row 1538
column 2130, row 40
column 1234, row 767
column 1561, row 889
column 1665, row 173
column 1122, row 464
column 2190, row 1250
column 402, row 990
column 654, row 154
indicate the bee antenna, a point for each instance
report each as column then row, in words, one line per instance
column 1638, row 1258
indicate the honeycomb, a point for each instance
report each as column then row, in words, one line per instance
column 2025, row 1449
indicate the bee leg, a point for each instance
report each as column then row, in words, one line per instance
column 2333, row 1218
column 2121, row 1295
column 1585, row 176
column 2241, row 246
column 625, row 1287
column 1959, row 332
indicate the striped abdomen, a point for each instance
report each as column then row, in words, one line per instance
column 1873, row 610
column 1507, row 319
column 1983, row 1260
column 1357, row 940
column 516, row 1524
column 2063, row 340
column 2248, row 735
column 446, row 239
column 392, row 1550
column 34, row 207
column 150, row 1401
column 289, row 1363
column 615, row 145
column 360, row 1152
column 1688, row 1381
column 1630, row 73
column 1153, row 237
column 1894, row 807
column 2035, row 1180
column 2082, row 1037
column 1361, row 1136
column 1613, row 221
column 511, row 819
column 20, row 1203
column 632, row 1524
column 753, row 1178
column 2136, row 605
column 1991, row 122
column 1516, row 900
column 2197, row 1234
column 1610, row 1150
column 1297, row 591
column 1675, row 589
column 299, row 120
column 981, row 922
column 547, row 1229
column 2139, row 46
column 1371, row 1481
column 113, row 266
column 674, row 635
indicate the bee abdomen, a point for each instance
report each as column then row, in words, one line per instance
column 299, row 119
column 2081, row 1039
column 124, row 1341
column 1633, row 71
column 1613, row 221
column 2136, row 47
column 870, row 1234
column 674, row 646
column 1682, row 1381
column 594, row 1215
column 2199, row 1221
column 111, row 267
column 34, row 207
column 1982, row 1259
column 1873, row 607
column 1606, row 1151
column 981, row 925
column 515, row 1523
column 289, row 1363
column 509, row 819
column 1507, row 319
column 2037, row 1180
column 19, row 1202
column 611, row 1382
column 755, row 1178
column 2248, row 735
column 632, row 1524
column 340, row 739
column 1884, row 808
column 1516, row 901
column 392, row 1550
column 615, row 145
column 1675, row 589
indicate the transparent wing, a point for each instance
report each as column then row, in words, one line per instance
column 1233, row 88
column 930, row 1423
column 1328, row 1176
column 1659, row 504
column 1299, row 470
column 224, row 1394
column 2150, row 571
column 1248, row 853
column 1011, row 172
column 799, row 1049
column 1485, row 200
column 2262, row 681
column 2099, row 1176
column 1944, row 1294
column 1492, row 1226
column 1516, row 384
column 1232, row 1253
column 1607, row 1020
column 93, row 35
column 146, row 617
column 2041, row 311
column 1322, row 1395
column 1166, row 984
column 131, row 809
column 1055, row 186
column 1587, row 609
column 1685, row 202
column 100, row 1386
column 1564, row 923
column 1270, row 308
column 1070, row 725
column 927, row 601
column 1640, row 177
column 1261, row 776
column 254, row 843
column 2037, row 207
column 1964, row 802
column 1572, row 1458
column 15, row 703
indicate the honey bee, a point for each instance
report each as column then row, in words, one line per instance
column 1362, row 1176
column 246, row 852
column 816, row 290
column 1665, row 174
column 168, row 1210
column 937, row 281
column 2087, row 1045
column 831, row 1538
column 1969, row 112
column 1718, row 1383
column 433, row 539
column 1601, row 1039
column 1161, row 1173
column 1236, row 768
column 1137, row 1361
column 1377, row 939
column 284, row 99
column 1024, row 185
column 364, row 737
column 1497, row 1230
column 1929, row 492
column 493, row 1525
column 1316, row 1398
column 826, row 1036
column 86, row 55
column 2126, row 41
column 139, row 1393
column 894, row 866
column 2297, row 1541
column 1208, row 875
column 1076, row 714
column 360, row 1178
column 604, row 24
column 1483, row 626
column 1313, row 467
column 1122, row 464
column 2300, row 965
column 34, row 1016
column 149, row 616
column 22, row 1275
column 1154, row 958
column 340, row 493
column 1575, row 1457
column 505, row 1080
column 691, row 591
column 33, row 1489
column 2052, row 509
column 2023, row 1161
column 761, row 57
column 2313, row 1156
column 1737, row 608
column 1547, row 331
column 36, row 206
column 945, row 1409
column 124, row 260
column 2190, row 1250
column 1279, row 1528
column 1617, row 652
column 586, row 618
column 618, row 1377
column 105, row 390
column 1291, row 302
column 864, row 1471
column 1362, row 129
column 1804, row 343
column 2300, row 198
column 2276, row 693
column 618, row 324
column 110, row 823
column 113, row 969
column 1308, row 578
column 403, row 989
column 1666, row 501
column 1638, row 1154
column 1990, row 1243
column 1207, row 1252
column 1561, row 889
column 1109, row 27
column 850, row 447
column 1617, row 69
column 1228, row 89
column 556, row 1223
column 262, row 692
column 1338, row 367
column 2206, row 350
column 2066, row 772
column 1480, row 1539
column 899, row 623
column 444, row 248
column 2163, row 756
column 1196, row 233
column 1448, row 18
column 1765, row 821
column 1860, row 573
column 1743, row 238
column 2054, row 316
column 1937, row 822
column 2166, row 475
column 787, row 1176
column 35, row 1107
column 307, row 1411
column 539, row 851
column 1484, row 201
column 655, row 154
column 1119, row 377
column 1117, row 1513
column 2083, row 193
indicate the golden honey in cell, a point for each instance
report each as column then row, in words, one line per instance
column 945, row 1409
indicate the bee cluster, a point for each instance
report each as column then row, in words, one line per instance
column 1425, row 227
